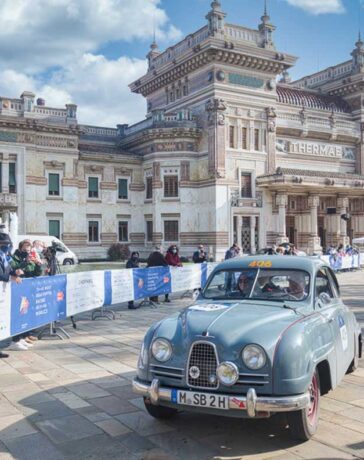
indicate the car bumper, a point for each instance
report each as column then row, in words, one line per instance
column 251, row 403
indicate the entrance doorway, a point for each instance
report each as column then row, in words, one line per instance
column 291, row 229
column 322, row 231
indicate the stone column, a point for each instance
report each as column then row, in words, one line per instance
column 282, row 201
column 360, row 152
column 271, row 139
column 314, row 243
column 215, row 109
column 343, row 204
column 239, row 227
column 253, row 224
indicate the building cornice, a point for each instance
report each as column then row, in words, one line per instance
column 149, row 135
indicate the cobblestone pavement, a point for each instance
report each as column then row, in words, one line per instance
column 72, row 399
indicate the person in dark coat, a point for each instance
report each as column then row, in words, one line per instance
column 173, row 260
column 156, row 259
column 199, row 256
column 7, row 273
column 133, row 262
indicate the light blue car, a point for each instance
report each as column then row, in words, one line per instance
column 267, row 335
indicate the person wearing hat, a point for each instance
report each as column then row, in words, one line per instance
column 7, row 273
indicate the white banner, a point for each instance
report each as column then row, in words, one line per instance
column 5, row 310
column 85, row 291
column 186, row 278
column 122, row 286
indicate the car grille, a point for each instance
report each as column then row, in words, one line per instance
column 203, row 356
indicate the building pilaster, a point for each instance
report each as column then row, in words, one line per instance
column 281, row 202
column 215, row 109
column 271, row 139
column 343, row 204
column 314, row 242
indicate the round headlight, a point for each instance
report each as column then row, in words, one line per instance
column 161, row 350
column 254, row 357
column 227, row 373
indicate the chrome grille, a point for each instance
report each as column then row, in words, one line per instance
column 203, row 356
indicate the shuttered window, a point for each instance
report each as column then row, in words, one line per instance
column 244, row 138
column 53, row 184
column 170, row 186
column 93, row 187
column 256, row 139
column 149, row 230
column 171, row 230
column 246, row 185
column 54, row 228
column 123, row 189
column 232, row 137
column 12, row 178
column 93, row 231
column 149, row 188
column 123, row 231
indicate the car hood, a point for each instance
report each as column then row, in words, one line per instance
column 229, row 325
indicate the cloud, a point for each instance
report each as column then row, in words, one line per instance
column 319, row 6
column 39, row 34
column 97, row 85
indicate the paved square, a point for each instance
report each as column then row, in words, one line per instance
column 73, row 399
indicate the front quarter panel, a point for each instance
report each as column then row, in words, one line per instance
column 300, row 348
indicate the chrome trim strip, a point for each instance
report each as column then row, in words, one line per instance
column 253, row 375
column 167, row 374
column 168, row 367
column 250, row 403
column 253, row 382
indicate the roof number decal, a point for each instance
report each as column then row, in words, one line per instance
column 261, row 264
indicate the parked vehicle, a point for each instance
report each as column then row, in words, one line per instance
column 268, row 334
column 64, row 255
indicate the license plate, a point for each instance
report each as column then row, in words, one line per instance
column 191, row 398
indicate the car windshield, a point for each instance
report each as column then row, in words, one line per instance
column 259, row 284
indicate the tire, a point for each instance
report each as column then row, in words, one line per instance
column 159, row 412
column 68, row 262
column 303, row 423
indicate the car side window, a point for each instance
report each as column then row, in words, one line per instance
column 323, row 284
column 334, row 282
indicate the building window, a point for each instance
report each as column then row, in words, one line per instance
column 93, row 231
column 232, row 137
column 54, row 228
column 149, row 188
column 244, row 138
column 178, row 93
column 256, row 139
column 123, row 189
column 246, row 185
column 93, row 187
column 170, row 186
column 123, row 231
column 185, row 90
column 171, row 230
column 12, row 178
column 53, row 184
column 149, row 230
column 1, row 174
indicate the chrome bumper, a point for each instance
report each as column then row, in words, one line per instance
column 250, row 403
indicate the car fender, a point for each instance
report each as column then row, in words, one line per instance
column 300, row 348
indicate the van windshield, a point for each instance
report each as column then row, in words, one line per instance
column 259, row 284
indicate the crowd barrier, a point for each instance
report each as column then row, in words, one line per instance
column 37, row 302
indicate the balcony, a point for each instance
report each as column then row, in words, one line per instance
column 8, row 200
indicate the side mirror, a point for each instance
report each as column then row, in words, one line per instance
column 324, row 298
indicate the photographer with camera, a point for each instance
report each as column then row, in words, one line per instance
column 199, row 256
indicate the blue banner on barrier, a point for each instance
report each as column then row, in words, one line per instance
column 36, row 302
column 151, row 282
column 108, row 289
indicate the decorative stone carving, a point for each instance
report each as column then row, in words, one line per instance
column 281, row 200
column 313, row 201
column 348, row 153
column 282, row 146
column 303, row 116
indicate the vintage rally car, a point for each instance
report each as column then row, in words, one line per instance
column 268, row 334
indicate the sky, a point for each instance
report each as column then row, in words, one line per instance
column 88, row 51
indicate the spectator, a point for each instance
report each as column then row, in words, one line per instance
column 199, row 256
column 49, row 259
column 6, row 272
column 30, row 266
column 133, row 262
column 230, row 253
column 173, row 260
column 156, row 259
column 280, row 251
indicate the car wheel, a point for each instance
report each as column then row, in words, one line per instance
column 68, row 262
column 159, row 411
column 354, row 363
column 303, row 424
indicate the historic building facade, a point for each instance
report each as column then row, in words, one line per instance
column 224, row 154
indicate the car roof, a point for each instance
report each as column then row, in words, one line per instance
column 309, row 264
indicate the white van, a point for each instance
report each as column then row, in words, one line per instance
column 64, row 255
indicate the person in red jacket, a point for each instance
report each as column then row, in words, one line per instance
column 172, row 258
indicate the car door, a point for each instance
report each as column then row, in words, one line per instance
column 330, row 306
column 346, row 326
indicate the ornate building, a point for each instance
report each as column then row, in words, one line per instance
column 224, row 154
